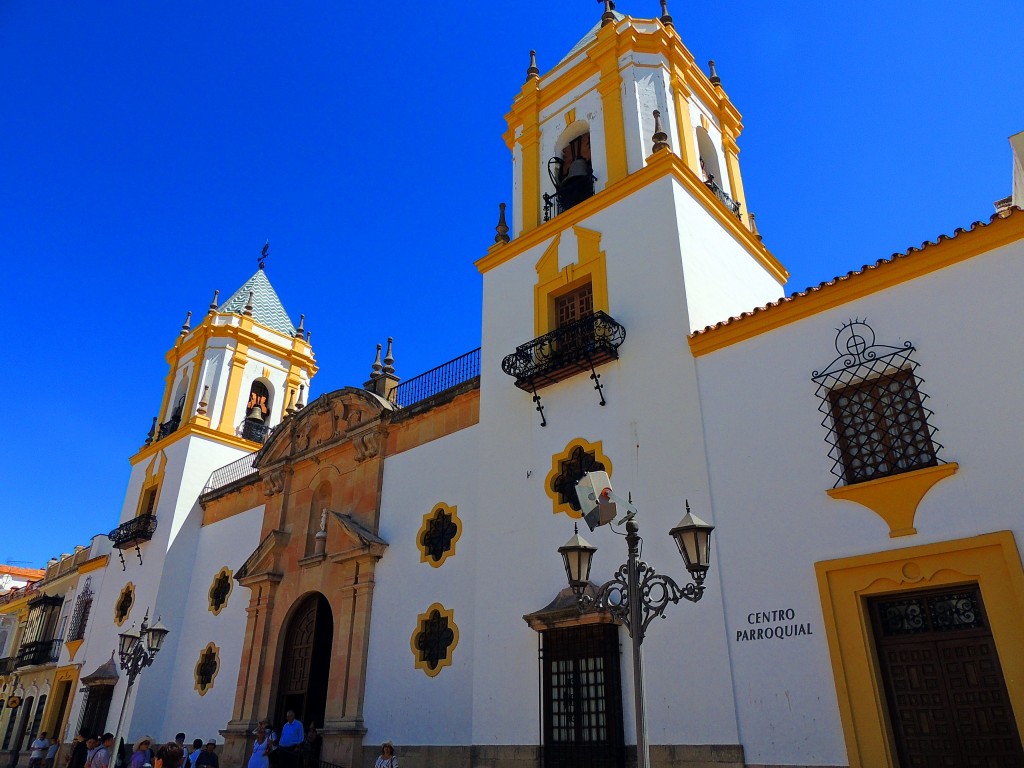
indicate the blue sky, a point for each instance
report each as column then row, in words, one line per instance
column 147, row 151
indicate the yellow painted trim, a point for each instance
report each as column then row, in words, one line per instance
column 660, row 165
column 232, row 392
column 595, row 448
column 590, row 267
column 453, row 512
column 186, row 430
column 570, row 116
column 202, row 690
column 225, row 571
column 94, row 564
column 932, row 257
column 605, row 54
column 67, row 674
column 895, row 498
column 153, row 479
column 73, row 646
column 732, row 167
column 688, row 143
column 128, row 588
column 420, row 622
column 991, row 560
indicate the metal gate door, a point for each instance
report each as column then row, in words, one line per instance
column 582, row 698
column 948, row 703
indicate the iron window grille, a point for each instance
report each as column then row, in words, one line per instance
column 83, row 605
column 875, row 414
column 206, row 669
column 571, row 470
column 434, row 640
column 441, row 531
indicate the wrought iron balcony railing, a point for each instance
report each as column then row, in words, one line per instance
column 41, row 652
column 133, row 532
column 168, row 427
column 7, row 665
column 437, row 380
column 570, row 349
column 722, row 195
column 256, row 431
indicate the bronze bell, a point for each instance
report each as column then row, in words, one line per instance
column 578, row 167
column 255, row 414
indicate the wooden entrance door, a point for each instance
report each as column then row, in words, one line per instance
column 948, row 703
column 582, row 698
column 306, row 663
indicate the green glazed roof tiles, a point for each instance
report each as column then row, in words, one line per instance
column 267, row 308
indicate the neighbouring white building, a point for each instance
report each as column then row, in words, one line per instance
column 387, row 564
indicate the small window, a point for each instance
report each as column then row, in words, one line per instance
column 568, row 468
column 438, row 534
column 220, row 590
column 207, row 668
column 435, row 639
column 575, row 305
column 874, row 410
column 147, row 503
column 124, row 603
column 80, row 617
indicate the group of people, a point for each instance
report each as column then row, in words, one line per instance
column 296, row 747
column 44, row 751
column 90, row 751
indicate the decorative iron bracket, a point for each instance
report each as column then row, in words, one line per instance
column 597, row 379
column 540, row 408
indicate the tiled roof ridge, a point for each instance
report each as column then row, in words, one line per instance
column 880, row 264
column 33, row 574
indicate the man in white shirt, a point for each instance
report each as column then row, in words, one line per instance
column 39, row 747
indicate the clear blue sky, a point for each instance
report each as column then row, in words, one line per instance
column 147, row 151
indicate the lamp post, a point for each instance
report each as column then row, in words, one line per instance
column 137, row 648
column 636, row 594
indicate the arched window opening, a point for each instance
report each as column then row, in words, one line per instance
column 571, row 171
column 712, row 171
column 177, row 409
column 256, row 426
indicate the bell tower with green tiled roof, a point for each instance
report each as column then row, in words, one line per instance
column 237, row 373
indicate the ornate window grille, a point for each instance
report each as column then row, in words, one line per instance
column 570, row 471
column 435, row 639
column 220, row 589
column 873, row 409
column 124, row 603
column 83, row 605
column 207, row 668
column 438, row 534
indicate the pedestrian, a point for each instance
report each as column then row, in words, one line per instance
column 101, row 757
column 38, row 753
column 79, row 750
column 208, row 757
column 311, row 747
column 169, row 755
column 292, row 737
column 51, row 753
column 388, row 758
column 93, row 744
column 142, row 753
column 261, row 747
column 193, row 754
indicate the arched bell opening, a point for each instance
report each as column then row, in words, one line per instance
column 304, row 664
column 258, row 407
column 708, row 157
column 571, row 170
column 177, row 406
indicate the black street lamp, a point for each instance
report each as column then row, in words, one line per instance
column 636, row 594
column 136, row 648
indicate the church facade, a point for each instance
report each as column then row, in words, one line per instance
column 384, row 559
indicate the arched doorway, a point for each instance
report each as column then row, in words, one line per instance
column 306, row 662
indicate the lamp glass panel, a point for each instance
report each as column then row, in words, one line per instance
column 128, row 641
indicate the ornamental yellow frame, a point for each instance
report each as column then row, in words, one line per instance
column 452, row 512
column 556, row 467
column 421, row 621
column 225, row 571
column 992, row 561
column 590, row 267
column 153, row 480
column 202, row 690
column 128, row 588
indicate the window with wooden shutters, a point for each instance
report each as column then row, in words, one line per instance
column 575, row 305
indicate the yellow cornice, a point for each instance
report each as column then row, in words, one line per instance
column 296, row 351
column 660, row 165
column 94, row 564
column 965, row 244
column 191, row 428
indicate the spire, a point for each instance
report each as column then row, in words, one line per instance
column 213, row 303
column 389, row 358
column 608, row 17
column 660, row 138
column 376, row 367
column 300, row 331
column 666, row 20
column 266, row 305
column 204, row 401
column 753, row 226
column 532, row 73
column 502, row 228
column 248, row 304
column 715, row 79
column 186, row 325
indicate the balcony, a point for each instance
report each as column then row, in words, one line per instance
column 133, row 532
column 7, row 665
column 41, row 652
column 722, row 195
column 575, row 347
column 255, row 430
